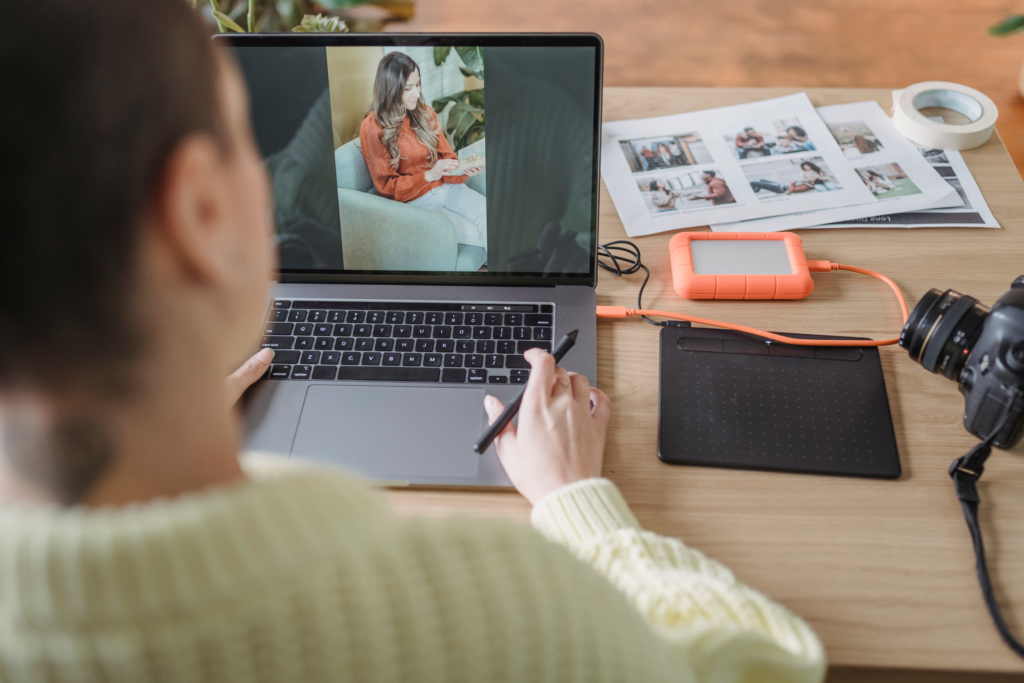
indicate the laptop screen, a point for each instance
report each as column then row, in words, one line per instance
column 421, row 158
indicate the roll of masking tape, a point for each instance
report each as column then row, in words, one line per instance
column 908, row 118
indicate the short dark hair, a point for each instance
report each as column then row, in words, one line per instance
column 749, row 128
column 710, row 173
column 96, row 96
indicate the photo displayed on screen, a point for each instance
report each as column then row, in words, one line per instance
column 390, row 159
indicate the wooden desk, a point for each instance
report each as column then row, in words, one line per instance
column 883, row 570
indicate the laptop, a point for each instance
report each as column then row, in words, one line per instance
column 408, row 290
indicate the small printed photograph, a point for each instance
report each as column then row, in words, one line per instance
column 934, row 156
column 684, row 191
column 785, row 136
column 772, row 179
column 887, row 181
column 855, row 138
column 667, row 151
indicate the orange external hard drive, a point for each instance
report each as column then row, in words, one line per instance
column 739, row 265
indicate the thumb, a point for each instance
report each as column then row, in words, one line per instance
column 494, row 407
column 242, row 378
column 602, row 410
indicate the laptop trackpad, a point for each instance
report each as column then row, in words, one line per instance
column 392, row 432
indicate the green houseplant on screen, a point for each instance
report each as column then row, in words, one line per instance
column 304, row 16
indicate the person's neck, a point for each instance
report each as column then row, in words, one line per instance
column 169, row 436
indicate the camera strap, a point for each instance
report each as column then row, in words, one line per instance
column 965, row 472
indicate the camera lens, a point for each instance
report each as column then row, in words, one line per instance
column 941, row 331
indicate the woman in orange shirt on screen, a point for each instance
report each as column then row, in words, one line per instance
column 408, row 156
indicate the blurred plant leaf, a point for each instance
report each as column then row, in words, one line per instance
column 473, row 58
column 476, row 98
column 463, row 123
column 467, row 72
column 1011, row 24
column 227, row 21
column 441, row 53
column 320, row 24
column 342, row 4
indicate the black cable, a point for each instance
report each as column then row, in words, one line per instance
column 634, row 266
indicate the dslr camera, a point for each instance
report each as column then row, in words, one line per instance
column 981, row 350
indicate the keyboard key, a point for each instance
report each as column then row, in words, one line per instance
column 538, row 320
column 403, row 330
column 386, row 374
column 432, row 359
column 522, row 333
column 506, row 347
column 336, row 317
column 421, row 331
column 297, row 316
column 517, row 379
column 474, row 360
column 503, row 333
column 485, row 346
column 280, row 371
column 392, row 359
column 542, row 333
column 322, row 330
column 481, row 333
column 395, row 317
column 356, row 317
column 286, row 357
column 279, row 328
column 495, row 361
column 384, row 345
column 375, row 317
column 434, row 318
column 477, row 376
column 362, row 330
column 277, row 342
column 308, row 357
column 453, row 360
column 513, row 319
column 317, row 316
column 371, row 358
column 442, row 332
column 404, row 345
column 453, row 376
column 519, row 373
column 412, row 359
column 453, row 319
column 343, row 330
column 498, row 379
column 524, row 346
column 445, row 346
column 281, row 303
column 350, row 358
column 279, row 316
column 492, row 319
column 304, row 343
column 324, row 344
column 364, row 344
column 464, row 346
column 382, row 330
column 474, row 318
column 425, row 345
column 460, row 332
column 516, row 362
column 331, row 357
column 344, row 344
column 414, row 318
column 304, row 329
column 302, row 371
column 324, row 372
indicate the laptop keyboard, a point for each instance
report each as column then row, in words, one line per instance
column 405, row 342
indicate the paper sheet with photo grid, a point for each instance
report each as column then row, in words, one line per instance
column 628, row 177
column 888, row 153
column 951, row 166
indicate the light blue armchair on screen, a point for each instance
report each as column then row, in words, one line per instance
column 382, row 234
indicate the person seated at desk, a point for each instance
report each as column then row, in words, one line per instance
column 133, row 544
column 749, row 141
column 813, row 177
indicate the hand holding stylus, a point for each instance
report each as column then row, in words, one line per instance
column 561, row 432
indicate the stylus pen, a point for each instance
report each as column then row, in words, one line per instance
column 564, row 344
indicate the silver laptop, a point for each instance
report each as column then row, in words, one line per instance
column 410, row 287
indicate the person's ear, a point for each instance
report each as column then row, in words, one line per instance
column 191, row 207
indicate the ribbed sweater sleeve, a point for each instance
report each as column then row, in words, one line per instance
column 402, row 187
column 729, row 631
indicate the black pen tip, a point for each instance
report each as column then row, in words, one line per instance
column 572, row 335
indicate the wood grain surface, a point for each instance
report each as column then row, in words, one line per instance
column 883, row 570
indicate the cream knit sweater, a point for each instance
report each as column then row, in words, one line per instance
column 308, row 577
